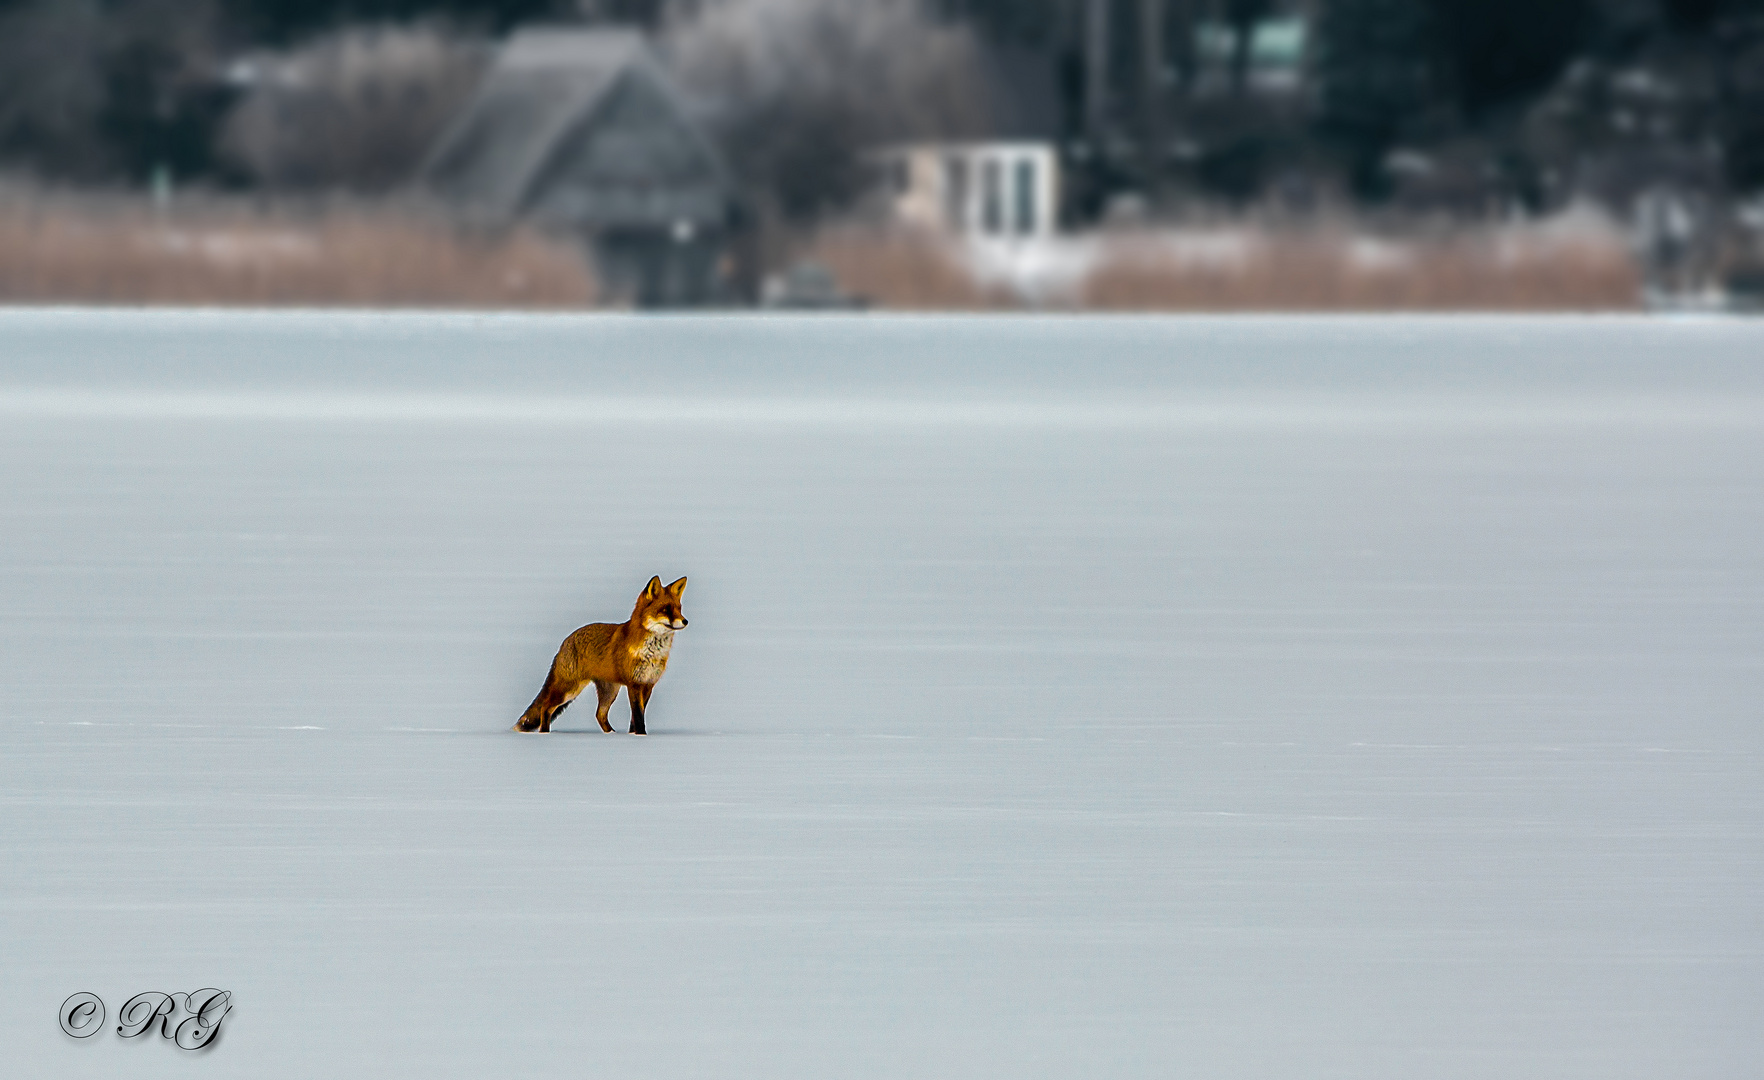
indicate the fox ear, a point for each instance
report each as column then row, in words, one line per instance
column 678, row 588
column 654, row 588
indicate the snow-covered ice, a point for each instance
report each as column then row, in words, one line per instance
column 1256, row 698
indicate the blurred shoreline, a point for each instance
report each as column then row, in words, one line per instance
column 1575, row 262
column 117, row 248
column 70, row 247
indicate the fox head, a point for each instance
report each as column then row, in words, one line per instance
column 658, row 609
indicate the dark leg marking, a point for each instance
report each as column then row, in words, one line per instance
column 636, row 695
column 607, row 693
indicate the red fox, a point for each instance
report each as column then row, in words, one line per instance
column 610, row 655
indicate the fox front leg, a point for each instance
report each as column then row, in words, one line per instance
column 639, row 696
column 607, row 693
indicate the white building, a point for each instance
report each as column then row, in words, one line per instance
column 985, row 190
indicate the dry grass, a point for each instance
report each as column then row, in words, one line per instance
column 86, row 249
column 1496, row 272
column 69, row 250
column 902, row 270
column 1558, row 266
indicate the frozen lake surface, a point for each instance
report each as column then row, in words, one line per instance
column 1263, row 698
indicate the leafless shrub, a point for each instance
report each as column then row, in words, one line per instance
column 356, row 109
column 121, row 250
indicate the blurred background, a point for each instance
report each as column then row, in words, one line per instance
column 930, row 154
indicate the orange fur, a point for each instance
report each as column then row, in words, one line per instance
column 631, row 654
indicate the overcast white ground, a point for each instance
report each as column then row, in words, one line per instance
column 1278, row 698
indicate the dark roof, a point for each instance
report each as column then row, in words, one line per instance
column 580, row 127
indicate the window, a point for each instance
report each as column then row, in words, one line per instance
column 992, row 196
column 955, row 192
column 1025, row 205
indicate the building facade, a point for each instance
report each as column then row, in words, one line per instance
column 990, row 191
column 582, row 132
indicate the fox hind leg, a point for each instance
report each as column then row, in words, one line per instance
column 538, row 715
column 607, row 693
column 563, row 699
column 545, row 725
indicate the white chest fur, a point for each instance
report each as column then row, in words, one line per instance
column 651, row 657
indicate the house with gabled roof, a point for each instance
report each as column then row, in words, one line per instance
column 582, row 131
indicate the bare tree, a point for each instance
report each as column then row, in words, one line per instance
column 796, row 90
column 354, row 109
column 91, row 90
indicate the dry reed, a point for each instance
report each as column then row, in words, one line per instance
column 901, row 270
column 1551, row 266
column 85, row 249
column 73, row 250
column 1500, row 271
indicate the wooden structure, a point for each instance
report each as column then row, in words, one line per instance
column 989, row 191
column 582, row 131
